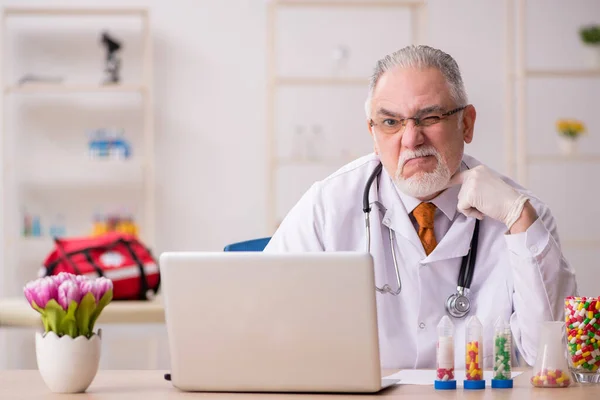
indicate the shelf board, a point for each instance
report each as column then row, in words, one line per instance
column 581, row 243
column 321, row 81
column 84, row 174
column 77, row 12
column 556, row 158
column 35, row 242
column 350, row 3
column 314, row 162
column 575, row 73
column 53, row 88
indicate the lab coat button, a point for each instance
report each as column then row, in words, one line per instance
column 422, row 325
column 534, row 249
column 386, row 221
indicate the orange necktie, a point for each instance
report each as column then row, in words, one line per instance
column 424, row 214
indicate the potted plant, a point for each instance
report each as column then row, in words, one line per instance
column 68, row 349
column 590, row 36
column 569, row 130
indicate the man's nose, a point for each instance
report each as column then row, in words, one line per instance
column 412, row 137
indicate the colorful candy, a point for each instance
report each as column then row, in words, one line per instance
column 473, row 369
column 444, row 374
column 582, row 321
column 474, row 350
column 445, row 355
column 551, row 378
column 502, row 375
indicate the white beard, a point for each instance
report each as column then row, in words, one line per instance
column 422, row 184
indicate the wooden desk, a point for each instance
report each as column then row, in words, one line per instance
column 150, row 385
column 17, row 312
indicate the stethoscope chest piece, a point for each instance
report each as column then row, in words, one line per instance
column 458, row 305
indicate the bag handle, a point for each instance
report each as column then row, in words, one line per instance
column 143, row 279
column 62, row 255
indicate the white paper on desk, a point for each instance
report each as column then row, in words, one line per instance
column 427, row 376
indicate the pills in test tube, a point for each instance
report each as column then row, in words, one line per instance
column 502, row 371
column 474, row 355
column 445, row 355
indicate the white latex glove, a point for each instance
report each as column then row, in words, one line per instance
column 484, row 193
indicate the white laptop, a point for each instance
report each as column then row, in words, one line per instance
column 263, row 322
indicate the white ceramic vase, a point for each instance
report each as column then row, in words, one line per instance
column 593, row 56
column 68, row 365
column 567, row 145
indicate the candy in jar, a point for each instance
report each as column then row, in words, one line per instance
column 474, row 355
column 551, row 369
column 445, row 355
column 582, row 320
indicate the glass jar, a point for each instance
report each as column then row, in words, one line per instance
column 582, row 323
column 551, row 368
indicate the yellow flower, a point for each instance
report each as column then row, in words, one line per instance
column 570, row 127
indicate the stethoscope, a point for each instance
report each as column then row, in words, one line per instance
column 458, row 304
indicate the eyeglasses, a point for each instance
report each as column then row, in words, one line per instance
column 391, row 125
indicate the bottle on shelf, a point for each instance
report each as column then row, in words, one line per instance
column 36, row 226
column 26, row 224
column 57, row 228
column 120, row 149
column 97, row 144
column 315, row 143
column 299, row 143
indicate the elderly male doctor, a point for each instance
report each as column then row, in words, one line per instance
column 430, row 195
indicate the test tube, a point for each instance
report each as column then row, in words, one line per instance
column 445, row 355
column 502, row 374
column 474, row 355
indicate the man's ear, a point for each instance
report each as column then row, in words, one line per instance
column 468, row 123
column 370, row 129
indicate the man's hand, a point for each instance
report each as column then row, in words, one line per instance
column 484, row 193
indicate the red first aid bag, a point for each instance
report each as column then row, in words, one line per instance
column 122, row 258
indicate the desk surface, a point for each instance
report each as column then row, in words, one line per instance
column 149, row 385
column 17, row 312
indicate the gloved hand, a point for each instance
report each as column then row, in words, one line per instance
column 484, row 193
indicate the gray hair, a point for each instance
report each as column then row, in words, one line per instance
column 421, row 57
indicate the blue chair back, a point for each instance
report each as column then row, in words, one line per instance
column 248, row 245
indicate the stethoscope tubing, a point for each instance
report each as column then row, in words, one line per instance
column 467, row 268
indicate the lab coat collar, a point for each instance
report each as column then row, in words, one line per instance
column 395, row 216
column 447, row 201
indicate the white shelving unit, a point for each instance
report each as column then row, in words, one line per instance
column 309, row 79
column 579, row 249
column 518, row 78
column 78, row 173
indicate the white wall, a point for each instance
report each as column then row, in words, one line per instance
column 210, row 104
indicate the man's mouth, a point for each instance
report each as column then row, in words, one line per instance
column 417, row 159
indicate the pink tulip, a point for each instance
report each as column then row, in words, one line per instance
column 41, row 291
column 63, row 276
column 98, row 287
column 86, row 286
column 103, row 285
column 68, row 291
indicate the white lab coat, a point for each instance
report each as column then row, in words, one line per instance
column 523, row 278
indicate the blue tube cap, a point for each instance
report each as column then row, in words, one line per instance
column 474, row 385
column 502, row 383
column 444, row 385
